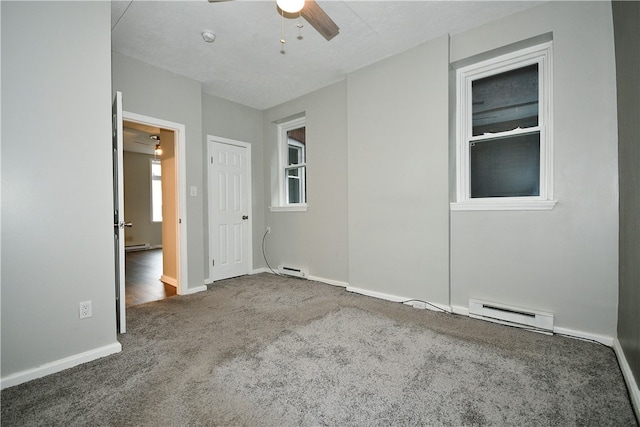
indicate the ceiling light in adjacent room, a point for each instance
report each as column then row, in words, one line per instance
column 158, row 149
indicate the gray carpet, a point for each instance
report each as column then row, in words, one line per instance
column 266, row 350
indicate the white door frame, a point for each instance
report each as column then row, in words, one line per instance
column 180, row 152
column 118, row 211
column 211, row 139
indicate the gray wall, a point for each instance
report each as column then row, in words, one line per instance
column 626, row 16
column 226, row 119
column 398, row 174
column 377, row 179
column 157, row 93
column 397, row 144
column 317, row 238
column 566, row 260
column 57, row 222
column 137, row 201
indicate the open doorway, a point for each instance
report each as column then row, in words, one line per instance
column 149, row 206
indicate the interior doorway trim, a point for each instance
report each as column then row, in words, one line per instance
column 180, row 151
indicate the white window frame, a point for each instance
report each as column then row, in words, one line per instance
column 302, row 173
column 152, row 179
column 542, row 55
column 283, row 167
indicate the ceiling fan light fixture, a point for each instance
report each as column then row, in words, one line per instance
column 290, row 6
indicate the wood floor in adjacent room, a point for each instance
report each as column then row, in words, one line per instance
column 142, row 277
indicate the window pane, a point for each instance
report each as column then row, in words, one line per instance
column 296, row 139
column 156, row 170
column 296, row 185
column 294, row 190
column 299, row 134
column 506, row 167
column 156, row 200
column 294, row 155
column 505, row 101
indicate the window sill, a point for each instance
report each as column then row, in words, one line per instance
column 504, row 205
column 289, row 208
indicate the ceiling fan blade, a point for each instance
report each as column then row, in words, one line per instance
column 319, row 19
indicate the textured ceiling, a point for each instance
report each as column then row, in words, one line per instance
column 245, row 64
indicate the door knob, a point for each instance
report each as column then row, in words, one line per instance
column 245, row 216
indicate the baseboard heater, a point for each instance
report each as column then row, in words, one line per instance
column 538, row 321
column 288, row 270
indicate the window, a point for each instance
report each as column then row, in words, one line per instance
column 156, row 191
column 295, row 173
column 292, row 166
column 504, row 155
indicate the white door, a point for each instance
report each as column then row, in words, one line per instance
column 229, row 210
column 118, row 213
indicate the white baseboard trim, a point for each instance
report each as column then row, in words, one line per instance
column 458, row 309
column 329, row 281
column 190, row 291
column 395, row 298
column 171, row 281
column 59, row 365
column 629, row 379
column 260, row 270
column 602, row 339
column 375, row 294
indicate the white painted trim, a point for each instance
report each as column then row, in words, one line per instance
column 171, row 281
column 541, row 54
column 118, row 185
column 503, row 205
column 181, row 190
column 211, row 139
column 602, row 339
column 289, row 208
column 190, row 291
column 394, row 298
column 313, row 278
column 280, row 202
column 59, row 365
column 375, row 294
column 329, row 281
column 458, row 309
column 627, row 374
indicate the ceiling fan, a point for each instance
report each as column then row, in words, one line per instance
column 312, row 13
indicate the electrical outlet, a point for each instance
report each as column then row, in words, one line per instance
column 268, row 230
column 85, row 309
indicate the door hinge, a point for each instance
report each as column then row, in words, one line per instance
column 211, row 159
column 213, row 263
